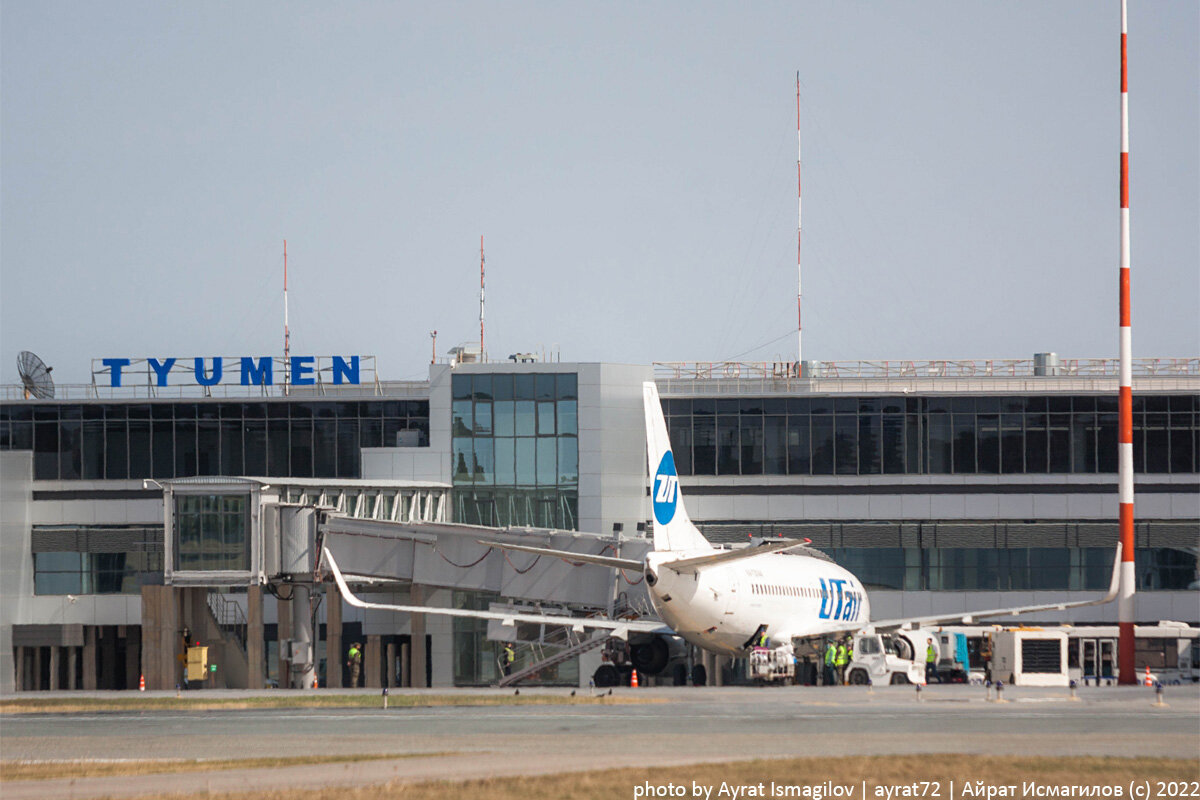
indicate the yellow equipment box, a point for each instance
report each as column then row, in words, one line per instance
column 197, row 663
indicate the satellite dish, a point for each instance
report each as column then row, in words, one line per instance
column 35, row 376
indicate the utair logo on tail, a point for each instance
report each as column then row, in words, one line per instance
column 666, row 489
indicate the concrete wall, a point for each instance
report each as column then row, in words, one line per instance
column 16, row 560
column 1149, row 607
column 612, row 447
column 766, row 498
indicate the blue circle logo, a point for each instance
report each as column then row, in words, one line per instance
column 665, row 491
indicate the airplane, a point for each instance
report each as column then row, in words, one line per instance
column 723, row 600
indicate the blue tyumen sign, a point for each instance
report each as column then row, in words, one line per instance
column 244, row 370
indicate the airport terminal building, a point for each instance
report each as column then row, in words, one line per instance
column 942, row 485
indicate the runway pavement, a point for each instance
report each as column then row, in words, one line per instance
column 689, row 726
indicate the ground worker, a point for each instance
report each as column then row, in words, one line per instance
column 510, row 655
column 930, row 661
column 985, row 655
column 830, row 659
column 762, row 639
column 354, row 662
column 841, row 659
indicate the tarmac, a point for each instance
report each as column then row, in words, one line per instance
column 683, row 726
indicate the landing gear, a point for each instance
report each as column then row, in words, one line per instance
column 606, row 675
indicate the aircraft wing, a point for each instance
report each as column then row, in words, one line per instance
column 567, row 555
column 969, row 617
column 620, row 628
column 690, row 565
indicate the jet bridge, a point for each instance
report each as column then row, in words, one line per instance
column 387, row 537
column 466, row 557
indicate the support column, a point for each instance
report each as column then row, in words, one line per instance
column 371, row 659
column 19, row 668
column 389, row 665
column 108, row 657
column 255, row 660
column 304, row 674
column 405, row 665
column 89, row 654
column 133, row 657
column 37, row 669
column 160, row 639
column 54, row 659
column 283, row 612
column 719, row 670
column 419, row 650
column 72, row 672
column 334, row 655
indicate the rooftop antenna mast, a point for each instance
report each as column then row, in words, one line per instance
column 287, row 336
column 1125, row 603
column 799, row 228
column 481, row 358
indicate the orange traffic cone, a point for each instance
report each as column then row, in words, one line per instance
column 142, row 683
column 1148, row 682
column 633, row 679
column 314, row 683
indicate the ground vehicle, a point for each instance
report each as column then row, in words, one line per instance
column 954, row 663
column 1030, row 657
column 885, row 658
column 1169, row 649
column 772, row 665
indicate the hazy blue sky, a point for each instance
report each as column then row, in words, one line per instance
column 631, row 165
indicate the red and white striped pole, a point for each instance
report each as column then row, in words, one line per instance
column 799, row 228
column 1125, row 606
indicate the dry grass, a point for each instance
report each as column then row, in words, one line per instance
column 43, row 770
column 875, row 771
column 192, row 702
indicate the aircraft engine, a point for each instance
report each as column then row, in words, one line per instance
column 651, row 655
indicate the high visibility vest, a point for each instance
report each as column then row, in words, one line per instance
column 830, row 655
column 930, row 655
column 509, row 655
column 355, row 654
column 841, row 655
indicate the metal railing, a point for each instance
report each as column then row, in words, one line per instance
column 229, row 616
column 68, row 392
column 947, row 368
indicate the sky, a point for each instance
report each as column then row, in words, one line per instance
column 631, row 167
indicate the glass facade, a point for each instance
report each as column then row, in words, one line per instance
column 95, row 559
column 212, row 532
column 1013, row 569
column 934, row 435
column 515, row 449
column 283, row 438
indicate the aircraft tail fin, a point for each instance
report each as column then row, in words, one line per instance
column 673, row 529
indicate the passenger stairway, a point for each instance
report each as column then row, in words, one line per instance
column 562, row 655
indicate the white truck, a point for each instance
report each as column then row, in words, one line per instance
column 887, row 658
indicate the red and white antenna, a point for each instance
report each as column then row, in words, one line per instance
column 481, row 297
column 1125, row 604
column 799, row 229
column 287, row 337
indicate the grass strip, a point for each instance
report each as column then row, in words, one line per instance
column 876, row 771
column 194, row 703
column 43, row 770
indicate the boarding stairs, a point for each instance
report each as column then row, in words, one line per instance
column 560, row 656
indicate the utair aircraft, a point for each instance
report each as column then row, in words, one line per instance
column 722, row 600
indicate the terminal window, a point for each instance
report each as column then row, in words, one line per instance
column 212, row 532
